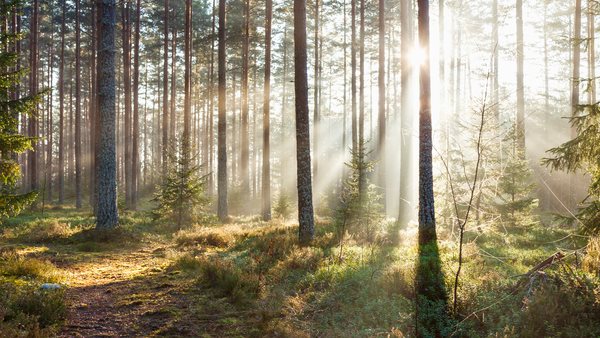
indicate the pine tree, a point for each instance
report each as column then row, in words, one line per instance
column 12, row 143
column 359, row 212
column 583, row 152
column 181, row 195
column 515, row 185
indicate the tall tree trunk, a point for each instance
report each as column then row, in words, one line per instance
column 591, row 52
column 266, row 163
column 126, row 34
column 283, row 155
column 406, row 147
column 495, row 67
column 305, row 206
column 61, row 100
column 245, row 151
column 353, row 73
column 165, row 108
column 135, row 155
column 50, row 128
column 520, row 122
column 317, row 84
column 222, row 125
column 211, row 97
column 381, row 105
column 431, row 296
column 576, row 62
column 173, row 114
column 78, row 112
column 93, row 103
column 32, row 160
column 187, row 104
column 361, row 100
column 106, row 210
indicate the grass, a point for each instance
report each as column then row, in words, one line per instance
column 251, row 278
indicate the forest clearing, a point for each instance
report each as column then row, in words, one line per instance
column 299, row 168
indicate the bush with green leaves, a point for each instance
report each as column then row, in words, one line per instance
column 181, row 197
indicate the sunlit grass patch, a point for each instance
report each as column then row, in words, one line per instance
column 214, row 237
column 238, row 285
column 16, row 266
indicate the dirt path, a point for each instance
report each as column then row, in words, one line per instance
column 119, row 295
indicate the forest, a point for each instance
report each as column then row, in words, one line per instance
column 299, row 168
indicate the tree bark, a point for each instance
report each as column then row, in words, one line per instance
column 165, row 108
column 106, row 210
column 78, row 112
column 266, row 163
column 381, row 106
column 305, row 204
column 222, row 125
column 127, row 158
column 187, row 105
column 135, row 155
column 61, row 100
column 245, row 151
column 32, row 160
column 520, row 122
column 406, row 147
column 317, row 84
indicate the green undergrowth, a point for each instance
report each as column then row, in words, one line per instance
column 368, row 290
column 27, row 309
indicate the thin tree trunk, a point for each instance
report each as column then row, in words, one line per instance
column 127, row 160
column 245, row 151
column 317, row 84
column 32, row 160
column 381, row 105
column 187, row 105
column 305, row 205
column 61, row 119
column 173, row 114
column 520, row 126
column 406, row 151
column 222, row 125
column 78, row 113
column 266, row 163
column 135, row 155
column 353, row 74
column 591, row 53
column 165, row 108
column 93, row 103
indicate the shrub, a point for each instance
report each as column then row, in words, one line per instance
column 591, row 260
column 567, row 304
column 31, row 268
column 26, row 308
column 44, row 231
column 283, row 206
column 218, row 238
column 237, row 285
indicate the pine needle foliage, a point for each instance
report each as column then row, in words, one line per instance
column 359, row 213
column 583, row 153
column 181, row 196
column 515, row 184
column 11, row 107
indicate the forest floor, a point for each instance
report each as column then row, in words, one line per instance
column 250, row 278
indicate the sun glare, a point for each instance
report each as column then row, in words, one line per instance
column 417, row 56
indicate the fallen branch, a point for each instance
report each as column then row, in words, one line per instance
column 540, row 267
